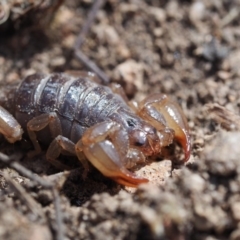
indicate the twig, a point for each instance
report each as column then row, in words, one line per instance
column 226, row 118
column 32, row 205
column 24, row 171
column 80, row 40
column 58, row 179
column 59, row 217
column 30, row 202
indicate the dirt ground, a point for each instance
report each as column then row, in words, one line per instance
column 189, row 50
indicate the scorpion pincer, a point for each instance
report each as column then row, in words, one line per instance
column 78, row 116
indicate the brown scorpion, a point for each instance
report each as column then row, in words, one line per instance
column 76, row 115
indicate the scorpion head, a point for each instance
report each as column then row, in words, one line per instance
column 145, row 138
column 157, row 125
column 141, row 134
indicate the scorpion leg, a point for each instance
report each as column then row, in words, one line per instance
column 118, row 89
column 40, row 122
column 9, row 126
column 162, row 113
column 60, row 145
column 106, row 146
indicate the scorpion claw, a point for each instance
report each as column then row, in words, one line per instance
column 184, row 139
column 178, row 122
column 106, row 159
column 164, row 113
column 130, row 181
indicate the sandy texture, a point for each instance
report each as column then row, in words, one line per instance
column 186, row 49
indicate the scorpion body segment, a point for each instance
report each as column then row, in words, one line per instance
column 78, row 102
column 79, row 116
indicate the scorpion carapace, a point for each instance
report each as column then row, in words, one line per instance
column 78, row 116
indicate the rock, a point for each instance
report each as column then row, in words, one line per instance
column 158, row 13
column 222, row 155
column 197, row 11
column 131, row 72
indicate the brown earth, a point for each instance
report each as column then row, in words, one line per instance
column 186, row 49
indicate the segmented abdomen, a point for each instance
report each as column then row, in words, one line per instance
column 79, row 102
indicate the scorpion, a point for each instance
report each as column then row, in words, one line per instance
column 76, row 115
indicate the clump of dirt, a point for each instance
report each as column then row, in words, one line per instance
column 200, row 201
column 186, row 49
